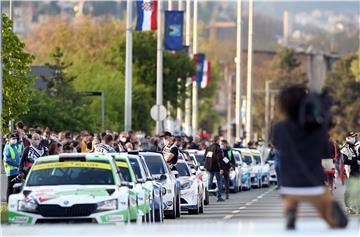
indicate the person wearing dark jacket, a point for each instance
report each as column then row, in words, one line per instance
column 213, row 157
column 228, row 163
column 351, row 156
column 302, row 149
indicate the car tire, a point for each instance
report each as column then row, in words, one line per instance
column 206, row 201
column 201, row 210
column 178, row 208
column 172, row 214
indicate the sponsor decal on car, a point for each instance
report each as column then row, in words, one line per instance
column 122, row 164
column 53, row 165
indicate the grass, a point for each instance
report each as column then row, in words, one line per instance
column 3, row 213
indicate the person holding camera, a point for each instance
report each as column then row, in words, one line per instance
column 11, row 158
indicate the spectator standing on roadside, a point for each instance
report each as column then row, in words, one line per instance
column 213, row 156
column 11, row 158
column 228, row 164
column 31, row 153
column 170, row 150
column 106, row 145
column 351, row 157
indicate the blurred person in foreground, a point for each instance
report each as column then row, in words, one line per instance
column 302, row 140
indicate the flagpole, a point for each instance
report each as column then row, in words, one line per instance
column 159, row 68
column 194, row 83
column 238, row 62
column 188, row 80
column 128, row 68
column 179, row 99
column 249, row 124
column 170, row 5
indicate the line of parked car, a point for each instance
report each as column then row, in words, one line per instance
column 124, row 187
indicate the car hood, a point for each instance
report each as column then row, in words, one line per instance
column 183, row 179
column 68, row 195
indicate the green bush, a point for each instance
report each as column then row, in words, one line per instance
column 3, row 213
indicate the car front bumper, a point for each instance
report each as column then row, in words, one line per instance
column 18, row 217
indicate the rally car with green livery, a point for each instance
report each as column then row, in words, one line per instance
column 142, row 191
column 73, row 188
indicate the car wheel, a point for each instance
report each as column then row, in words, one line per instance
column 201, row 210
column 172, row 214
column 206, row 201
column 178, row 208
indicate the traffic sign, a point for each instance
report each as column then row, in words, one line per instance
column 158, row 112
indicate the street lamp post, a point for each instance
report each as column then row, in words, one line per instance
column 267, row 110
column 128, row 68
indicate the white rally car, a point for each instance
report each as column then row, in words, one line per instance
column 192, row 189
column 73, row 188
column 161, row 172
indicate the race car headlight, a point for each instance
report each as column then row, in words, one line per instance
column 107, row 205
column 27, row 206
column 232, row 175
column 186, row 185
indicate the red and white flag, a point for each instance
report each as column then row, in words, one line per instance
column 206, row 74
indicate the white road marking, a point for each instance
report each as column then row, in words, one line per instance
column 236, row 211
column 241, row 208
column 228, row 217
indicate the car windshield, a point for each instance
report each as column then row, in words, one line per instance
column 247, row 159
column 136, row 167
column 71, row 173
column 125, row 173
column 257, row 159
column 183, row 169
column 237, row 157
column 200, row 159
column 155, row 165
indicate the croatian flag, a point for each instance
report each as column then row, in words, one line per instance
column 206, row 75
column 146, row 15
column 199, row 60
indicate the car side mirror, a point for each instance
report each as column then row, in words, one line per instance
column 131, row 185
column 127, row 184
column 149, row 179
column 193, row 171
column 202, row 168
column 17, row 187
column 175, row 173
column 163, row 177
column 140, row 181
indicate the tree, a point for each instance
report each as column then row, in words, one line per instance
column 355, row 67
column 60, row 106
column 16, row 82
column 345, row 91
column 285, row 69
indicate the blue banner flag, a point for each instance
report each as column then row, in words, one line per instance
column 174, row 25
column 199, row 60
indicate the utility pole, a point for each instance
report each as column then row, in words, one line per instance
column 128, row 68
column 194, row 83
column 238, row 62
column 227, row 80
column 179, row 99
column 188, row 80
column 159, row 68
column 267, row 110
column 249, row 124
column 11, row 10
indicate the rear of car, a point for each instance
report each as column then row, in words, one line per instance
column 264, row 168
column 71, row 188
column 143, row 194
column 199, row 157
column 191, row 189
column 161, row 172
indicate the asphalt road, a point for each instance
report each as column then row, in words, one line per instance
column 257, row 204
column 254, row 213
